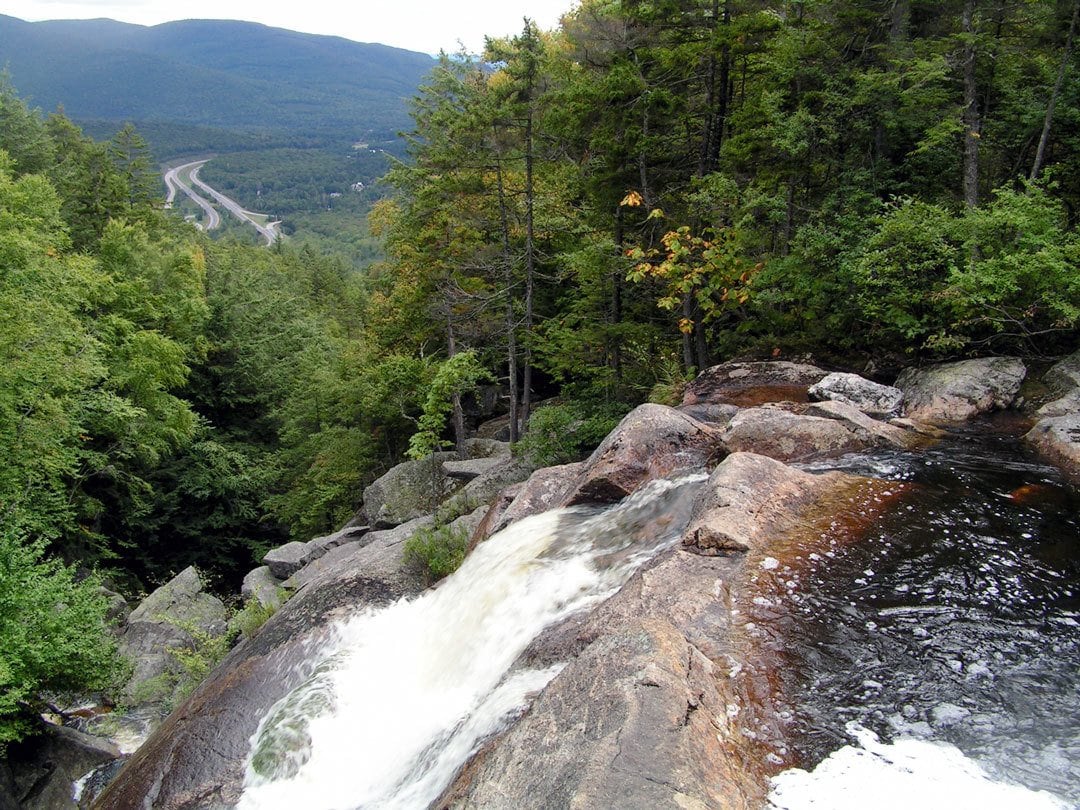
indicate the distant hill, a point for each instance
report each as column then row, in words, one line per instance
column 215, row 78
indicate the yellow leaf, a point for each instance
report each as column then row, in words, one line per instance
column 632, row 199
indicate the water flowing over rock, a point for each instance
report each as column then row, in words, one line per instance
column 44, row 768
column 869, row 397
column 651, row 711
column 753, row 383
column 195, row 759
column 545, row 489
column 953, row 392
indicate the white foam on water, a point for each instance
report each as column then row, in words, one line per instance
column 904, row 775
column 412, row 690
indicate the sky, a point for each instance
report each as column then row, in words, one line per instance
column 418, row 25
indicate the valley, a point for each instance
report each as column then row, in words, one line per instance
column 267, row 229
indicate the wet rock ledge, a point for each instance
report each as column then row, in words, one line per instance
column 665, row 699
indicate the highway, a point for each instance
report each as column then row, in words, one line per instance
column 173, row 182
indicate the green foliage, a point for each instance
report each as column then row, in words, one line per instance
column 567, row 431
column 53, row 634
column 439, row 549
column 195, row 662
column 253, row 615
column 455, row 376
column 1002, row 275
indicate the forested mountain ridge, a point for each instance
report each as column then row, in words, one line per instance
column 221, row 74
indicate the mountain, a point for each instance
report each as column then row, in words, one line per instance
column 237, row 77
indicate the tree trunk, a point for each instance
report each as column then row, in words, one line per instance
column 511, row 326
column 457, row 413
column 530, row 272
column 1040, row 153
column 972, row 122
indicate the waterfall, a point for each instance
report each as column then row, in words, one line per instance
column 404, row 695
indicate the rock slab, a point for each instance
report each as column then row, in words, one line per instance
column 874, row 399
column 753, row 383
column 652, row 441
column 954, row 392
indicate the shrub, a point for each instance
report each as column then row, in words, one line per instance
column 565, row 432
column 439, row 549
column 53, row 634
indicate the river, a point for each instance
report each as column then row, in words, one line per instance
column 935, row 662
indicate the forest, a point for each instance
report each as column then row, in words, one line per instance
column 585, row 216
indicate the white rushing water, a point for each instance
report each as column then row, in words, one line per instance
column 407, row 693
column 908, row 773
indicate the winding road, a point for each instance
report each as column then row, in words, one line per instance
column 269, row 231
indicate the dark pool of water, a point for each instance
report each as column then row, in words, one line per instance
column 956, row 619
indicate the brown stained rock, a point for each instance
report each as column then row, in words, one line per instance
column 953, row 392
column 750, row 384
column 788, row 436
column 651, row 442
column 748, row 499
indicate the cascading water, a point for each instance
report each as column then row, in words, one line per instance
column 944, row 644
column 404, row 695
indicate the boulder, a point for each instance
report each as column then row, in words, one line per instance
column 497, row 428
column 118, row 609
column 165, row 621
column 286, row 560
column 263, row 587
column 183, row 600
column 1063, row 381
column 953, row 392
column 788, row 436
column 754, row 383
column 869, row 397
column 380, row 557
column 45, row 767
column 866, row 429
column 196, row 757
column 545, row 489
column 408, row 491
column 1057, row 438
column 652, row 441
column 470, row 468
column 710, row 412
column 486, row 448
column 750, row 498
column 484, row 489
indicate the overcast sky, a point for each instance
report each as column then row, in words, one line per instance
column 419, row 25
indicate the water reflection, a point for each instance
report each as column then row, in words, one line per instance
column 955, row 619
